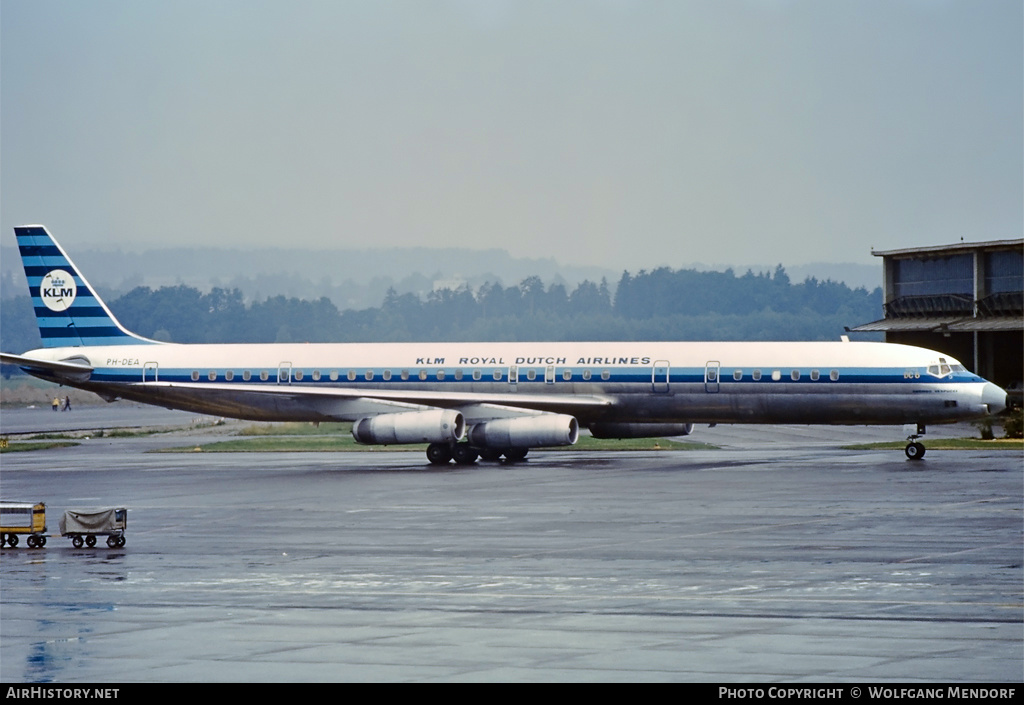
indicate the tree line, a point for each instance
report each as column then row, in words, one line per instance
column 661, row 304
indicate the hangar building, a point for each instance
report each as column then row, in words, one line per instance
column 966, row 300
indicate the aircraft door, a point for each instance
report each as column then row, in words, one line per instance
column 284, row 373
column 711, row 376
column 659, row 376
column 150, row 372
column 513, row 377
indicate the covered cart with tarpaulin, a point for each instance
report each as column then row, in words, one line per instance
column 84, row 525
column 17, row 518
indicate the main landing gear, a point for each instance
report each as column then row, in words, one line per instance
column 464, row 454
column 915, row 449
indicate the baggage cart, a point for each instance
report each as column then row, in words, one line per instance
column 17, row 518
column 82, row 526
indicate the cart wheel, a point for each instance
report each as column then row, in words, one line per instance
column 111, row 541
column 90, row 541
column 121, row 541
column 12, row 540
column 40, row 541
column 76, row 541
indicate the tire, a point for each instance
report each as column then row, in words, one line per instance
column 914, row 451
column 77, row 541
column 90, row 541
column 112, row 541
column 462, row 454
column 439, row 454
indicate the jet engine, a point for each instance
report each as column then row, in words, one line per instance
column 639, row 430
column 526, row 432
column 434, row 426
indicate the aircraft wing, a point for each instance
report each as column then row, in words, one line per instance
column 349, row 404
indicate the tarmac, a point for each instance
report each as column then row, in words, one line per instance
column 778, row 558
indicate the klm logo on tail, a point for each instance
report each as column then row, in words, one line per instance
column 58, row 290
column 68, row 311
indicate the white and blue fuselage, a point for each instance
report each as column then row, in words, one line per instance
column 469, row 398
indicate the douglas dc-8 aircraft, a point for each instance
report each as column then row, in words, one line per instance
column 470, row 400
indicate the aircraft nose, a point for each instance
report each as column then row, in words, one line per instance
column 994, row 397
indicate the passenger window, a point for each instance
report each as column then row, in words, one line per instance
column 195, row 375
column 368, row 375
column 737, row 375
column 795, row 375
column 815, row 375
column 440, row 375
column 531, row 375
column 351, row 375
column 497, row 375
column 387, row 375
column 606, row 374
column 229, row 375
column 298, row 375
column 246, row 376
column 567, row 374
column 423, row 375
column 776, row 375
column 458, row 375
column 316, row 375
column 756, row 375
column 334, row 375
column 264, row 375
column 834, row 375
column 586, row 375
column 405, row 374
column 211, row 375
column 477, row 375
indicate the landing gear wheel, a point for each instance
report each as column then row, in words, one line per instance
column 915, row 450
column 514, row 455
column 462, row 454
column 90, row 541
column 77, row 541
column 439, row 453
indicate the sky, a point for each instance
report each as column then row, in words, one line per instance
column 614, row 133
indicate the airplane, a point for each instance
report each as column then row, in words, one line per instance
column 491, row 400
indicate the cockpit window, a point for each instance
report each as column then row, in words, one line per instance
column 940, row 369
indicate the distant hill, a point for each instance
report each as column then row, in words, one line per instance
column 357, row 278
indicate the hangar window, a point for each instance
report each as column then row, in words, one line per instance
column 195, row 375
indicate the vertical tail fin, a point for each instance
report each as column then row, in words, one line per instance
column 68, row 311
